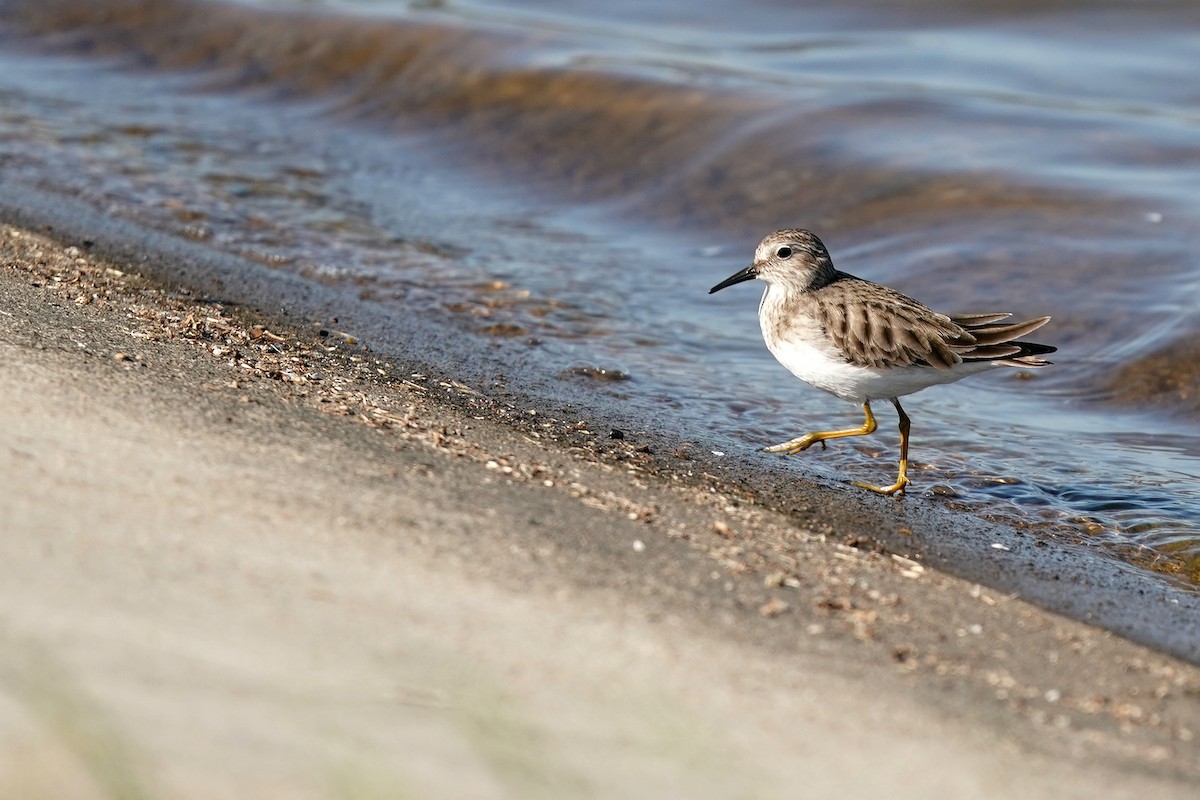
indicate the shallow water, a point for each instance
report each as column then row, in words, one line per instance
column 567, row 182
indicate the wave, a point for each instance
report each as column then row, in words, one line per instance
column 696, row 157
column 682, row 153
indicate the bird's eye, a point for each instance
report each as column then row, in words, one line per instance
column 784, row 252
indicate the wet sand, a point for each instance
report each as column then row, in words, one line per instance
column 246, row 558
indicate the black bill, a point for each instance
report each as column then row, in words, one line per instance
column 748, row 274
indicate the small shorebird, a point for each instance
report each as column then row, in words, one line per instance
column 862, row 341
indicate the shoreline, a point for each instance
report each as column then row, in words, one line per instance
column 217, row 479
column 1063, row 575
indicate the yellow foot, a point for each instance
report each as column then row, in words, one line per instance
column 895, row 488
column 798, row 445
column 806, row 441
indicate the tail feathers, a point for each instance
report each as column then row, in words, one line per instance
column 967, row 320
column 1029, row 355
column 986, row 333
column 991, row 339
column 994, row 352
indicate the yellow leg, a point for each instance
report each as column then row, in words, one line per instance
column 902, row 478
column 806, row 441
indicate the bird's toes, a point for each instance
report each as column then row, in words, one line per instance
column 895, row 489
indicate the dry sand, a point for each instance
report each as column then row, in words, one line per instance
column 241, row 560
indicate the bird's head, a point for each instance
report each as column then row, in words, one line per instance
column 788, row 257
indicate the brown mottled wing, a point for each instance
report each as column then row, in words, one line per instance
column 879, row 327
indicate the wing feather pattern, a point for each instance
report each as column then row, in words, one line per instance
column 876, row 326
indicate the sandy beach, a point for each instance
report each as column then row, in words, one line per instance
column 247, row 558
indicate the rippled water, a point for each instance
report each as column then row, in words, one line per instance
column 568, row 180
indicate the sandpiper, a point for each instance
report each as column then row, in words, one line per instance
column 862, row 341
